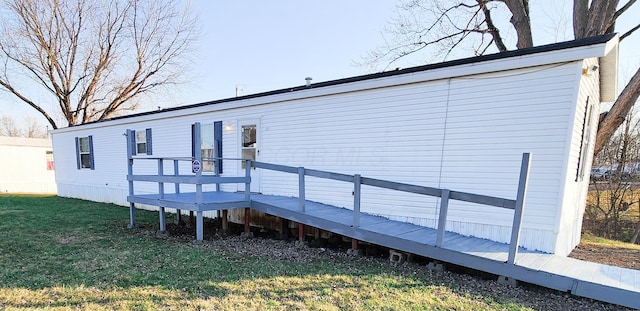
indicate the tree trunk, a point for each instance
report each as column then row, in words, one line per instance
column 636, row 232
column 580, row 10
column 619, row 111
column 521, row 21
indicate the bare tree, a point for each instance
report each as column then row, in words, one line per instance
column 447, row 25
column 8, row 127
column 94, row 59
column 614, row 200
column 33, row 129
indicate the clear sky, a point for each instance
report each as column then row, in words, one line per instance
column 256, row 46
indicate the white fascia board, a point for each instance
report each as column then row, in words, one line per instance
column 609, row 71
column 503, row 64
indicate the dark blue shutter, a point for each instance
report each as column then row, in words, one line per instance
column 93, row 167
column 217, row 138
column 132, row 142
column 78, row 152
column 148, row 141
column 193, row 141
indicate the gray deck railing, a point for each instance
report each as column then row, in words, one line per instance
column 198, row 179
column 444, row 194
column 195, row 178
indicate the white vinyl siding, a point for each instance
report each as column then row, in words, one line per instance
column 24, row 165
column 572, row 201
column 466, row 133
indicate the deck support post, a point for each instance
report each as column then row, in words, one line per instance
column 442, row 218
column 284, row 225
column 225, row 222
column 191, row 219
column 357, row 181
column 300, row 232
column 199, row 226
column 354, row 251
column 178, row 216
column 247, row 220
column 163, row 223
column 519, row 208
column 132, row 216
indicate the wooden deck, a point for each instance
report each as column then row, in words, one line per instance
column 597, row 281
column 602, row 282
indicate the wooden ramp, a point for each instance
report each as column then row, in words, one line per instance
column 587, row 279
column 602, row 282
column 581, row 278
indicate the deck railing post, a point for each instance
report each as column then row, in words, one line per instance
column 442, row 217
column 176, row 172
column 216, row 171
column 163, row 225
column 128, row 136
column 161, row 173
column 198, row 157
column 247, row 185
column 357, row 183
column 519, row 208
column 301, row 190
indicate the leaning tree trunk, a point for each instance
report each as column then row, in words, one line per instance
column 618, row 112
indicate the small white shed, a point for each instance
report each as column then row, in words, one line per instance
column 461, row 125
column 26, row 165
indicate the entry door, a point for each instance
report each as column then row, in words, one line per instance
column 249, row 131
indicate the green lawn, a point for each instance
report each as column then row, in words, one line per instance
column 59, row 254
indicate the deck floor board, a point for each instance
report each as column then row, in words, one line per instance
column 592, row 280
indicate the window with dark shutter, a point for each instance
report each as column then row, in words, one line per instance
column 84, row 152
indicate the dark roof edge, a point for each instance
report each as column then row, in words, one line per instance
column 514, row 53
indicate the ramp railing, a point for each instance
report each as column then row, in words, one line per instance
column 445, row 196
column 198, row 179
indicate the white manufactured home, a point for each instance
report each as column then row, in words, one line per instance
column 26, row 165
column 460, row 125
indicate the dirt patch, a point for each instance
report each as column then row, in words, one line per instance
column 67, row 239
column 465, row 281
column 615, row 256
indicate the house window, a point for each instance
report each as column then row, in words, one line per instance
column 207, row 142
column 49, row 155
column 210, row 146
column 249, row 141
column 141, row 142
column 84, row 152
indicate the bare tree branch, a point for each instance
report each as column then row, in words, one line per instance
column 628, row 33
column 441, row 27
column 491, row 28
column 624, row 8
